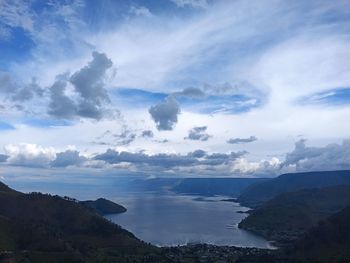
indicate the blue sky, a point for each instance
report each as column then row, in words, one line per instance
column 174, row 87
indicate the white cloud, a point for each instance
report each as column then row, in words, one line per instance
column 284, row 49
column 30, row 155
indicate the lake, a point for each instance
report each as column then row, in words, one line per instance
column 163, row 218
column 167, row 220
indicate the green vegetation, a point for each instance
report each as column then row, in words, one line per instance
column 328, row 242
column 43, row 228
column 103, row 206
column 287, row 216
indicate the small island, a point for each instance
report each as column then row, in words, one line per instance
column 103, row 206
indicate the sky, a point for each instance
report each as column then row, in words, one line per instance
column 174, row 87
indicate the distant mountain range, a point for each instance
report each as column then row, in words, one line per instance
column 256, row 194
column 215, row 186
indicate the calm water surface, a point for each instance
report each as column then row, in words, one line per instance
column 168, row 220
column 165, row 219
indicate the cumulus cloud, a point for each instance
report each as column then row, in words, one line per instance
column 197, row 153
column 89, row 83
column 198, row 134
column 28, row 92
column 80, row 95
column 242, row 140
column 68, row 158
column 15, row 94
column 262, row 168
column 33, row 155
column 90, row 93
column 302, row 159
column 61, row 106
column 29, row 155
column 165, row 113
column 331, row 157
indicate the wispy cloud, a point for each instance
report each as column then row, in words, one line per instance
column 274, row 69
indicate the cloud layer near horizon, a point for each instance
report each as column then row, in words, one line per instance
column 199, row 162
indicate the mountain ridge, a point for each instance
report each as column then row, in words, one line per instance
column 256, row 194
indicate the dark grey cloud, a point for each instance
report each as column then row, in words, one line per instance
column 198, row 153
column 198, row 134
column 147, row 134
column 222, row 158
column 88, row 81
column 19, row 92
column 82, row 94
column 68, row 158
column 88, row 109
column 3, row 158
column 61, row 106
column 90, row 93
column 28, row 92
column 242, row 140
column 162, row 160
column 168, row 161
column 165, row 113
column 331, row 157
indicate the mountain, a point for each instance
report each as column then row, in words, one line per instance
column 103, row 206
column 289, row 215
column 256, row 194
column 215, row 186
column 329, row 242
column 44, row 228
